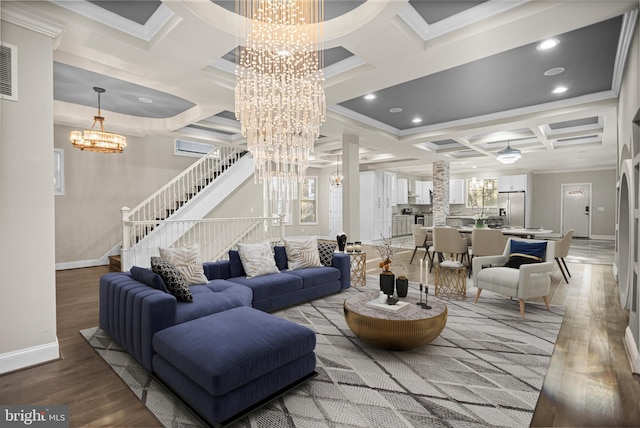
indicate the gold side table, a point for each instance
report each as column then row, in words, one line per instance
column 451, row 282
column 358, row 269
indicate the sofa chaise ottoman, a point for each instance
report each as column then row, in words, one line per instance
column 229, row 363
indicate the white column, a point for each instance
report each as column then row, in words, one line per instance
column 440, row 193
column 351, row 188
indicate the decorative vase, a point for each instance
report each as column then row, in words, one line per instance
column 342, row 241
column 479, row 223
column 387, row 283
column 402, row 286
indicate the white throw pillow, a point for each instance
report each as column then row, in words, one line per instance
column 187, row 261
column 257, row 259
column 302, row 253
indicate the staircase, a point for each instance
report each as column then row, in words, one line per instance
column 173, row 211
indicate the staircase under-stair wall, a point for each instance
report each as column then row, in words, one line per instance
column 175, row 214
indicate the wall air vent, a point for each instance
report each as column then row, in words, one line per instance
column 8, row 72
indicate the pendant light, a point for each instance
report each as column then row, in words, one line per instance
column 94, row 140
column 336, row 179
column 509, row 155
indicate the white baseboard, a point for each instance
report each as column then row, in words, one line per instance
column 16, row 360
column 604, row 237
column 104, row 260
column 632, row 351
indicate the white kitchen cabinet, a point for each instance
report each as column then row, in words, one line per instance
column 423, row 190
column 375, row 205
column 402, row 191
column 512, row 183
column 393, row 195
column 456, row 192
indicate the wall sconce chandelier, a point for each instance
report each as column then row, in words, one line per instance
column 95, row 140
column 336, row 179
column 509, row 155
column 279, row 99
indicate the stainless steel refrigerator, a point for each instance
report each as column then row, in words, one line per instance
column 511, row 208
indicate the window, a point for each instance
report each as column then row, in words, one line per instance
column 58, row 172
column 308, row 201
column 482, row 193
column 275, row 203
column 192, row 148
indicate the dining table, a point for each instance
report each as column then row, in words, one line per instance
column 524, row 232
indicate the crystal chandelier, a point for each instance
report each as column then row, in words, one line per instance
column 279, row 98
column 98, row 141
column 509, row 155
column 336, row 179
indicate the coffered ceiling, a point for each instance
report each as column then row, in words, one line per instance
column 452, row 80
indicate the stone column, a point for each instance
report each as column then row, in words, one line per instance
column 351, row 188
column 440, row 203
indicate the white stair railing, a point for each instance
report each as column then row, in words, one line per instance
column 215, row 237
column 168, row 199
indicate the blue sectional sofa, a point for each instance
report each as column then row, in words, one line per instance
column 167, row 336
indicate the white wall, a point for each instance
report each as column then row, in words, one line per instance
column 627, row 108
column 97, row 185
column 27, row 257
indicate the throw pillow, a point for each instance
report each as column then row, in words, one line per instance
column 257, row 259
column 172, row 279
column 526, row 253
column 302, row 253
column 235, row 264
column 187, row 261
column 326, row 249
column 280, row 254
column 148, row 277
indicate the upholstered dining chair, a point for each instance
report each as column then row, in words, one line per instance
column 525, row 282
column 421, row 239
column 562, row 251
column 487, row 242
column 447, row 240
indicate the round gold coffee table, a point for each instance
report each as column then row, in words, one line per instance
column 406, row 328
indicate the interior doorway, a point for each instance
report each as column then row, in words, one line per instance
column 576, row 209
column 335, row 211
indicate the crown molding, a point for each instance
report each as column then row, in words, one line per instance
column 18, row 14
column 624, row 42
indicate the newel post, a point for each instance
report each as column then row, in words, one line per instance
column 126, row 228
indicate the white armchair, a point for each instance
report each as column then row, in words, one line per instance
column 530, row 280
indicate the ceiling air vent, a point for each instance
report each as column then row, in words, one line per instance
column 8, row 72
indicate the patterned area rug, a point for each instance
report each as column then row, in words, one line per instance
column 486, row 369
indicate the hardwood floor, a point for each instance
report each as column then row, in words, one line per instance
column 589, row 382
column 80, row 379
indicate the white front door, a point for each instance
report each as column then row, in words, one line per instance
column 335, row 211
column 576, row 209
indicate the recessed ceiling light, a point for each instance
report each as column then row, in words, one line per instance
column 370, row 97
column 554, row 71
column 395, row 110
column 416, row 120
column 560, row 90
column 547, row 44
column 474, row 167
column 145, row 100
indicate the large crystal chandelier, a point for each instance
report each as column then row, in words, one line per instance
column 94, row 140
column 279, row 97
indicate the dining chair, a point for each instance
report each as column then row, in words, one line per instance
column 421, row 239
column 562, row 251
column 447, row 240
column 486, row 242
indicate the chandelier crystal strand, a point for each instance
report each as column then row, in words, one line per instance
column 279, row 97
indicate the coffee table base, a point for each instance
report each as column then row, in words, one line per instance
column 395, row 335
